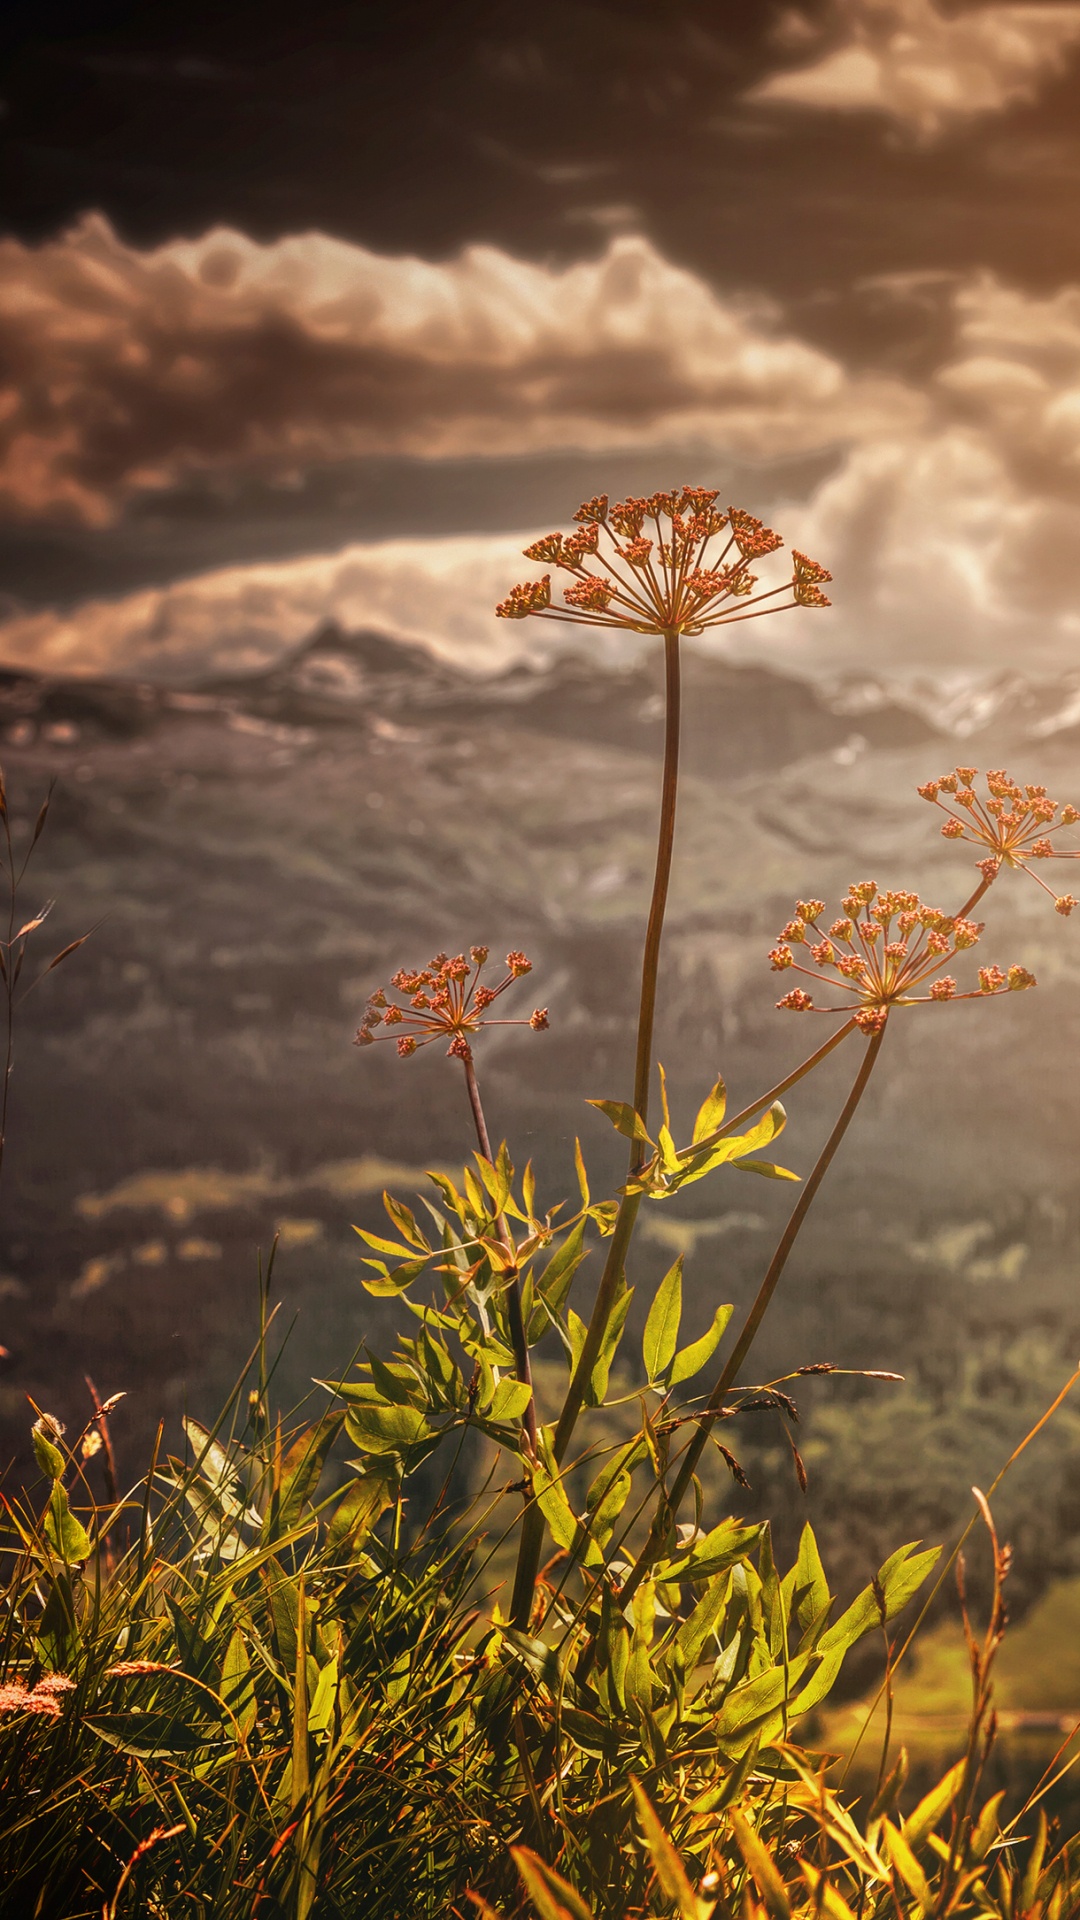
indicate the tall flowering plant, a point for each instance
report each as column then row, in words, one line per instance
column 669, row 566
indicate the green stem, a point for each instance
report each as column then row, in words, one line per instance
column 748, row 1333
column 515, row 1318
column 532, row 1532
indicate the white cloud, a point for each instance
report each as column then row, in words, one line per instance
column 1018, row 372
column 953, row 535
column 927, row 70
column 240, row 619
column 128, row 369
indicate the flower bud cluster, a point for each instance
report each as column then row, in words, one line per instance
column 1014, row 823
column 887, row 944
column 446, row 1000
column 657, row 577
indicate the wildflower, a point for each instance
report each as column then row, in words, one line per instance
column 664, row 580
column 897, row 945
column 1013, row 823
column 446, row 1000
column 16, row 1697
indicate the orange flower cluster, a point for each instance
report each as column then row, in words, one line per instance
column 43, row 1697
column 887, row 945
column 1014, row 823
column 655, row 577
column 444, row 1001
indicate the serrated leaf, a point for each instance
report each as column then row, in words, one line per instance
column 624, row 1119
column 698, row 1354
column 662, row 1326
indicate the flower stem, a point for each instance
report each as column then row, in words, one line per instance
column 650, row 963
column 518, row 1337
column 532, row 1532
column 748, row 1333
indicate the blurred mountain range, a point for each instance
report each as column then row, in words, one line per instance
column 255, row 855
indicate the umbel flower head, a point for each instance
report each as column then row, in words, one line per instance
column 668, row 564
column 885, row 947
column 445, row 1000
column 1013, row 823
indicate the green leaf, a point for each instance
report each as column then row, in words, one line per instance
column 767, row 1167
column 624, row 1119
column 662, row 1326
column 734, row 1146
column 670, row 1873
column 713, row 1554
column 550, row 1496
column 711, row 1112
column 762, row 1865
column 237, row 1687
column 509, row 1401
column 582, row 1176
column 358, row 1509
column 552, row 1896
column 613, row 1332
column 300, row 1472
column 399, row 1385
column 603, row 1516
column 155, row 1736
column 380, row 1245
column 704, row 1619
column 65, row 1535
column 812, row 1594
column 934, row 1806
column 700, row 1352
column 381, row 1429
column 553, row 1284
column 405, row 1222
column 901, row 1576
column 49, row 1458
column 764, row 1694
column 907, row 1866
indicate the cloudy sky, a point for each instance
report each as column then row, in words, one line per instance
column 324, row 311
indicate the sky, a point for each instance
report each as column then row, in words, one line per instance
column 322, row 313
